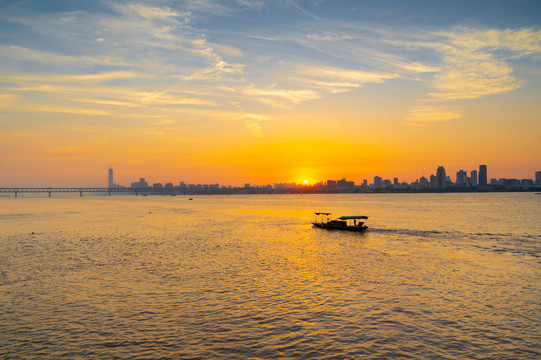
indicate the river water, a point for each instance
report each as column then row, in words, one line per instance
column 436, row 276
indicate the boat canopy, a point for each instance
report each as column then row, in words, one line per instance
column 322, row 213
column 352, row 217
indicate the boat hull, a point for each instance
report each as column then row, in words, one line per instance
column 329, row 226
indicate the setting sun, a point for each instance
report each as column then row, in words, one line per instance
column 305, row 182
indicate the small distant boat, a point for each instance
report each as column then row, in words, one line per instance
column 349, row 223
column 190, row 199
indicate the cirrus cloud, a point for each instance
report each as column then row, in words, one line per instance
column 474, row 64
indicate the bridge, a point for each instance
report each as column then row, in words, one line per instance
column 81, row 190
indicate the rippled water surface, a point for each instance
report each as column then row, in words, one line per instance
column 446, row 276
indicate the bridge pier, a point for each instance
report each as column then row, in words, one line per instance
column 81, row 194
column 49, row 194
column 15, row 193
column 109, row 192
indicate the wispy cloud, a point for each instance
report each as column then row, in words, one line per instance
column 279, row 97
column 23, row 54
column 416, row 67
column 423, row 114
column 158, row 22
column 474, row 64
column 67, row 110
column 97, row 89
column 150, row 12
column 521, row 42
column 472, row 76
column 336, row 79
column 150, row 55
column 472, row 68
column 252, row 122
column 218, row 67
column 75, row 79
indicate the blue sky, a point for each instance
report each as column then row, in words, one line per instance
column 235, row 77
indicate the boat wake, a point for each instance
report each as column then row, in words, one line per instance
column 519, row 244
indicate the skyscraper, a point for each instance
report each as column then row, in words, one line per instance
column 473, row 177
column 441, row 178
column 378, row 184
column 110, row 183
column 461, row 177
column 538, row 177
column 483, row 175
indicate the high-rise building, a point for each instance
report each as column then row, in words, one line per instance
column 473, row 178
column 423, row 182
column 140, row 184
column 441, row 178
column 110, row 182
column 538, row 177
column 433, row 181
column 378, row 182
column 345, row 185
column 331, row 185
column 461, row 177
column 483, row 175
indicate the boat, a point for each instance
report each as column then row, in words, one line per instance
column 349, row 223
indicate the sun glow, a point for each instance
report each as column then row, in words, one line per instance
column 305, row 182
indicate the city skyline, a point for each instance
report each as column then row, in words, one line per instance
column 438, row 181
column 260, row 91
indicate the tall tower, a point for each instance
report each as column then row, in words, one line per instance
column 110, row 183
column 482, row 175
column 473, row 177
column 441, row 178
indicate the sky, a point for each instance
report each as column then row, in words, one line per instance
column 267, row 91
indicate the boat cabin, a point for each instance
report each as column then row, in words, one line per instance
column 352, row 223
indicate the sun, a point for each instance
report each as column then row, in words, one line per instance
column 305, row 182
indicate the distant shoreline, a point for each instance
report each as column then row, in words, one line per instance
column 14, row 191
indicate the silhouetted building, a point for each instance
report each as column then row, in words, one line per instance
column 433, row 181
column 331, row 185
column 110, row 182
column 473, row 178
column 140, row 184
column 483, row 175
column 441, row 178
column 378, row 182
column 538, row 177
column 461, row 177
column 345, row 185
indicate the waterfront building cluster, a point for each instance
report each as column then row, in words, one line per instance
column 474, row 180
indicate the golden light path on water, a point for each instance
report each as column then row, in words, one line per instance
column 448, row 276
